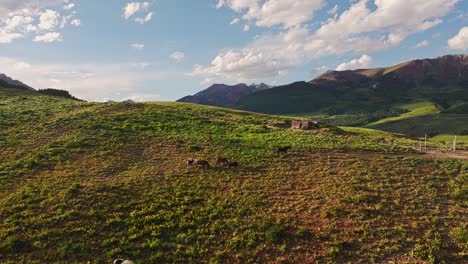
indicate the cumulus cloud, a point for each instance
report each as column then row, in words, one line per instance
column 7, row 37
column 361, row 63
column 422, row 44
column 69, row 6
column 460, row 41
column 234, row 21
column 138, row 46
column 89, row 81
column 39, row 18
column 270, row 13
column 362, row 28
column 49, row 19
column 133, row 8
column 75, row 22
column 10, row 6
column 143, row 20
column 177, row 56
column 48, row 37
column 18, row 22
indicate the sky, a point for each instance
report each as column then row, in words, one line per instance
column 162, row 50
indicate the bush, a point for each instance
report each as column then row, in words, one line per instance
column 304, row 232
column 13, row 244
column 276, row 233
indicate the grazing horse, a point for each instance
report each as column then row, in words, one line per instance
column 202, row 163
column 222, row 161
column 283, row 149
column 191, row 162
column 234, row 164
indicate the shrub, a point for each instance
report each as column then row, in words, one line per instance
column 276, row 233
column 13, row 244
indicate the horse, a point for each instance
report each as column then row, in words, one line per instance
column 191, row 162
column 202, row 163
column 222, row 161
column 283, row 149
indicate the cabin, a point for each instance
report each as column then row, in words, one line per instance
column 304, row 124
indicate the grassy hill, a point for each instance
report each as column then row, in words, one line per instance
column 88, row 182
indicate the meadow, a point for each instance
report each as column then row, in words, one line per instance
column 90, row 182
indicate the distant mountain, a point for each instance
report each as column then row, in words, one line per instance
column 442, row 81
column 224, row 95
column 7, row 82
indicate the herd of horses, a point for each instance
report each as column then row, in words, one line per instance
column 219, row 162
column 222, row 161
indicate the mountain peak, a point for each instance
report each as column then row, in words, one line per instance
column 222, row 94
column 8, row 82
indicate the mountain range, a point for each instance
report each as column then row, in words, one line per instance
column 224, row 95
column 443, row 81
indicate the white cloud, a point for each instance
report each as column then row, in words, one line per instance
column 89, row 81
column 7, row 37
column 360, row 29
column 270, row 13
column 361, row 63
column 10, row 6
column 48, row 37
column 49, row 19
column 207, row 81
column 69, row 6
column 34, row 18
column 220, row 4
column 460, row 41
column 134, row 7
column 138, row 46
column 177, row 56
column 246, row 28
column 145, row 19
column 145, row 97
column 422, row 44
column 234, row 21
column 21, row 65
column 333, row 11
column 76, row 22
column 17, row 22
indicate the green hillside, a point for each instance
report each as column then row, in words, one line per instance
column 90, row 182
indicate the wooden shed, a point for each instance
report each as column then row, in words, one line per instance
column 304, row 124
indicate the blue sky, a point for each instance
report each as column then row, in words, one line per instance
column 166, row 49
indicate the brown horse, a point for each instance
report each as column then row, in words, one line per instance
column 283, row 149
column 222, row 161
column 191, row 162
column 202, row 163
column 234, row 164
